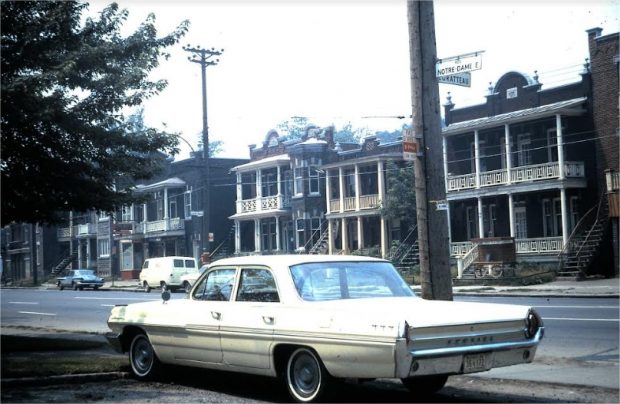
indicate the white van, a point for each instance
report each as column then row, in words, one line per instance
column 166, row 271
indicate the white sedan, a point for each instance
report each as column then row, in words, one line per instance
column 315, row 319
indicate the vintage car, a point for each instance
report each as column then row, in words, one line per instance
column 315, row 319
column 80, row 279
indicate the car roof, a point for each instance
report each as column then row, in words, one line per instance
column 292, row 259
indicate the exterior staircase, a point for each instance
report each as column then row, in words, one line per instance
column 223, row 250
column 322, row 244
column 64, row 262
column 583, row 244
column 407, row 255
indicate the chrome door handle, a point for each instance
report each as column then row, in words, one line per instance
column 268, row 320
column 216, row 315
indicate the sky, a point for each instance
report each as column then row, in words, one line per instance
column 342, row 61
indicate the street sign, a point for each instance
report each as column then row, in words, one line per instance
column 461, row 79
column 410, row 145
column 459, row 64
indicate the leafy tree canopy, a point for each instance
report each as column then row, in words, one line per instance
column 296, row 127
column 400, row 202
column 65, row 87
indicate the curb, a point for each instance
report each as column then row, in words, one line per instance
column 64, row 379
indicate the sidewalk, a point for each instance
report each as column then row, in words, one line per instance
column 586, row 288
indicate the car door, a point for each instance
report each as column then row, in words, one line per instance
column 248, row 322
column 200, row 341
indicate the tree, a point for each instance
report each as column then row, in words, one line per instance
column 400, row 204
column 295, row 128
column 65, row 87
column 215, row 146
column 349, row 135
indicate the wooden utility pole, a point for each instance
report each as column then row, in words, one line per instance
column 428, row 165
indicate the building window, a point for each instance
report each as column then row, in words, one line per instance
column 269, row 182
column 520, row 222
column 299, row 180
column 300, row 227
column 172, row 208
column 127, row 213
column 103, row 247
column 187, row 204
column 490, row 220
column 574, row 212
column 315, row 228
column 314, row 175
column 268, row 233
column 552, row 217
column 248, row 186
column 349, row 183
column 472, row 222
column 523, row 150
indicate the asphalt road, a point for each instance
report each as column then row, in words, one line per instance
column 580, row 344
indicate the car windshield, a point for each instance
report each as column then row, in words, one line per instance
column 348, row 280
column 84, row 272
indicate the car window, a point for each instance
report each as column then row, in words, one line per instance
column 190, row 264
column 348, row 280
column 177, row 263
column 70, row 273
column 146, row 264
column 257, row 285
column 217, row 285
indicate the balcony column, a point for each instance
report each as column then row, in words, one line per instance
column 259, row 191
column 564, row 210
column 381, row 182
column 166, row 204
column 89, row 259
column 357, row 188
column 79, row 253
column 360, row 233
column 344, row 238
column 239, row 193
column 477, row 158
column 508, row 153
column 278, row 230
column 449, row 227
column 237, row 237
column 257, row 246
column 384, row 238
column 341, row 185
column 328, row 191
column 480, row 219
column 145, row 211
column 279, row 180
column 560, row 142
column 330, row 237
column 511, row 216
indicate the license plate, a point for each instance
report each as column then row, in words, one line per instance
column 474, row 363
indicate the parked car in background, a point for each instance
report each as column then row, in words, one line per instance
column 188, row 280
column 311, row 319
column 80, row 279
column 166, row 272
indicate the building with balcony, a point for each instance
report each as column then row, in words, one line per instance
column 313, row 195
column 524, row 166
column 280, row 194
column 355, row 192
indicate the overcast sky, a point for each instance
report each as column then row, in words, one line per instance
column 344, row 61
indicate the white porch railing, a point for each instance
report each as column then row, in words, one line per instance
column 466, row 260
column 349, row 203
column 460, row 248
column 539, row 245
column 88, row 229
column 263, row 203
column 334, row 205
column 529, row 173
column 369, row 201
column 164, row 225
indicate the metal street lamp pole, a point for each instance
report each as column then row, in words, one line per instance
column 203, row 58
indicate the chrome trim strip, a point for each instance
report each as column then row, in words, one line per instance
column 480, row 348
column 489, row 333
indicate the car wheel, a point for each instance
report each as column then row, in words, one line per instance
column 425, row 384
column 95, row 287
column 60, row 286
column 144, row 363
column 147, row 288
column 306, row 378
column 187, row 287
column 75, row 286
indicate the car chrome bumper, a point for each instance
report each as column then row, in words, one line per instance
column 452, row 360
column 115, row 341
